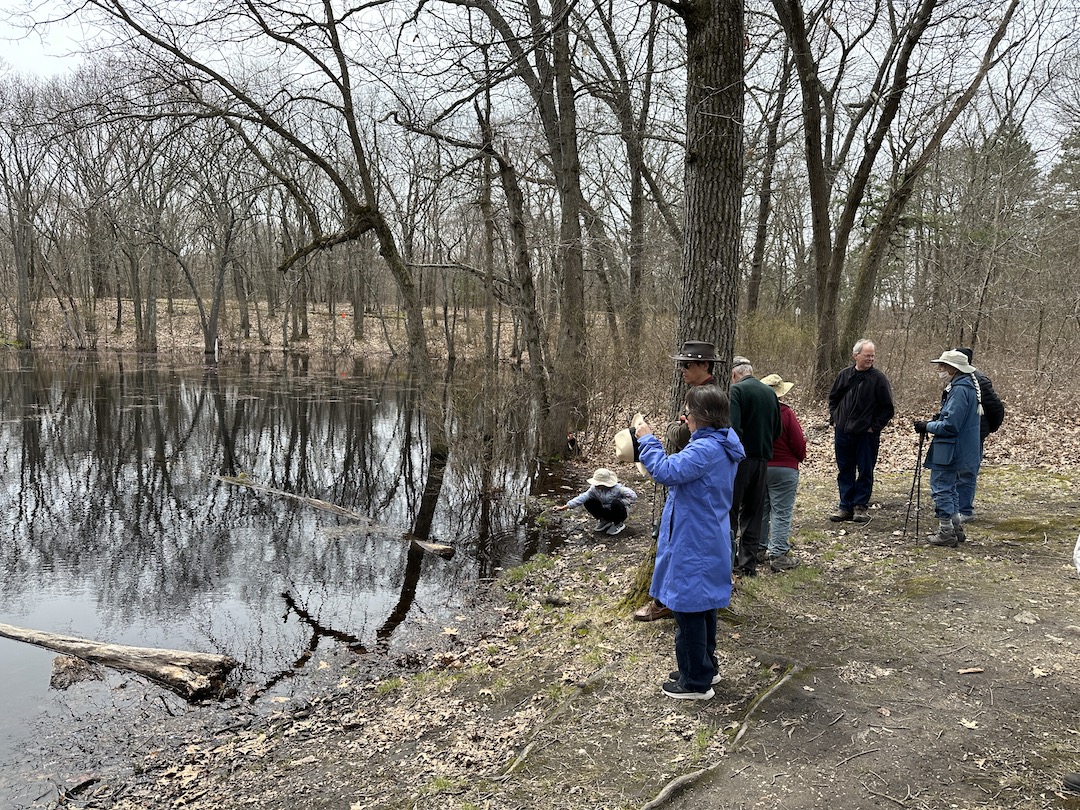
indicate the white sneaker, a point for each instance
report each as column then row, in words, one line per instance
column 616, row 528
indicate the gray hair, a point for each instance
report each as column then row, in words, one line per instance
column 860, row 343
column 742, row 370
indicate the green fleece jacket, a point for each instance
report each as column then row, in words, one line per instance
column 755, row 415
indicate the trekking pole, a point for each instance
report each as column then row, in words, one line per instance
column 915, row 496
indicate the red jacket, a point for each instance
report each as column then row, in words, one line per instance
column 790, row 447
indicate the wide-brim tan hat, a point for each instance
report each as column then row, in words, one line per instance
column 957, row 360
column 625, row 445
column 777, row 384
column 603, row 477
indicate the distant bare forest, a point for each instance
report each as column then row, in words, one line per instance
column 473, row 174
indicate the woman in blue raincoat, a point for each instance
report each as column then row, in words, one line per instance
column 693, row 556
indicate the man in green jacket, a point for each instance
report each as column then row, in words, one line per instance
column 755, row 415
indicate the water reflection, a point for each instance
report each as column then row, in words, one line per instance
column 117, row 525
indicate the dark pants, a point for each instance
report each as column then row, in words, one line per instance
column 695, row 649
column 856, row 456
column 616, row 513
column 747, row 508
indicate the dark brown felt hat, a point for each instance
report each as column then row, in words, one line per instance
column 698, row 351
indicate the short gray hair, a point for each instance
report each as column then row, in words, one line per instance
column 742, row 370
column 860, row 343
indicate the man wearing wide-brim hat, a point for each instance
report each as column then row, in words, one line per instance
column 695, row 360
column 954, row 449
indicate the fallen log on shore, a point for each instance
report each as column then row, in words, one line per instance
column 192, row 675
column 438, row 549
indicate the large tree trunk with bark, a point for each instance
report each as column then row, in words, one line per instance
column 714, row 179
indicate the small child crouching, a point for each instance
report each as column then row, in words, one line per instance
column 606, row 500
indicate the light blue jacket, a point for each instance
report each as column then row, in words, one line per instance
column 956, row 444
column 693, row 554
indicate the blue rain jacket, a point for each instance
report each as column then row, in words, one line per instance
column 956, row 444
column 693, row 554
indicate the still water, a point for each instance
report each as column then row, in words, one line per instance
column 118, row 524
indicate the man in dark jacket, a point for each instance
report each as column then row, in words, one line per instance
column 860, row 405
column 991, row 415
column 755, row 415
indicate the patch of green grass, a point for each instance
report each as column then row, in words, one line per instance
column 922, row 586
column 703, row 738
column 813, row 537
column 539, row 563
column 389, row 685
column 796, row 579
column 442, row 784
column 1032, row 527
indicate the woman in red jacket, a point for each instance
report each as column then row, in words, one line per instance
column 782, row 482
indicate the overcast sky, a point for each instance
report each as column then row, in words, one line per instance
column 45, row 52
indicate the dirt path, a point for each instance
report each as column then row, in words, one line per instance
column 879, row 673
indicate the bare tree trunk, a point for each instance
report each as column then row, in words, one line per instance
column 761, row 230
column 714, row 179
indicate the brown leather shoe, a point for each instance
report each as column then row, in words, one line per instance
column 651, row 611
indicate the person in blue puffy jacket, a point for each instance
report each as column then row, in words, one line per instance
column 692, row 575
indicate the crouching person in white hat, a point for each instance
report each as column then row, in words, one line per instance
column 606, row 500
column 954, row 450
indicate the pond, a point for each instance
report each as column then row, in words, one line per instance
column 128, row 517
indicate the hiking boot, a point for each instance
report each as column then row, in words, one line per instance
column 761, row 555
column 784, row 562
column 602, row 525
column 841, row 514
column 673, row 690
column 958, row 532
column 966, row 518
column 861, row 514
column 943, row 537
column 615, row 528
column 651, row 611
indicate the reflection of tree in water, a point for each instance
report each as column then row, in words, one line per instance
column 111, row 486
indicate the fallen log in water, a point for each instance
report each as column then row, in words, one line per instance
column 192, row 675
column 438, row 549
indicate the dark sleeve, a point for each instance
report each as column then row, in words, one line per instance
column 735, row 407
column 885, row 409
column 836, row 394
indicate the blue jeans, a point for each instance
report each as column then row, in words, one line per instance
column 695, row 649
column 943, row 491
column 965, row 488
column 782, row 484
column 856, row 457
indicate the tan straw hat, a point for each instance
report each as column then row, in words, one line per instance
column 777, row 384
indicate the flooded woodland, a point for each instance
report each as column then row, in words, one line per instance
column 263, row 509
